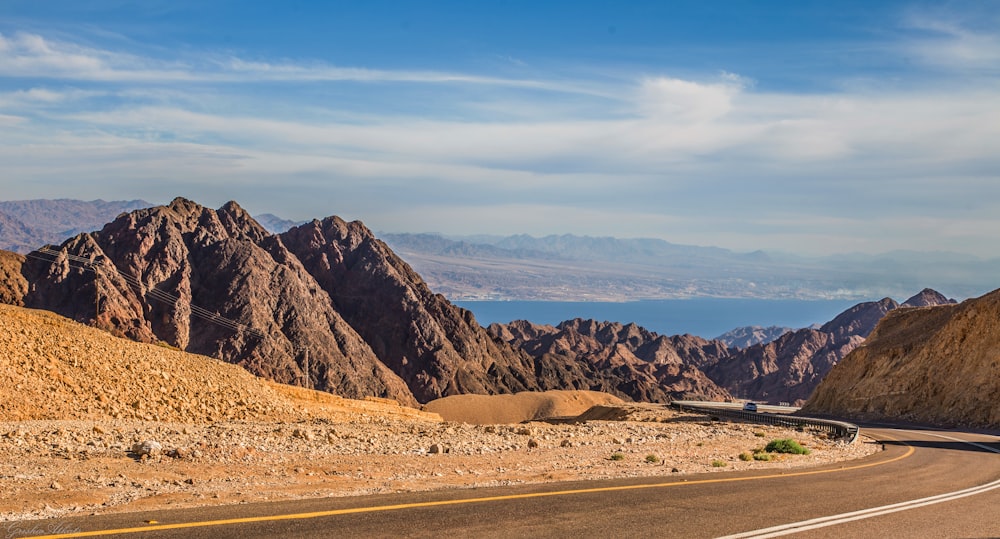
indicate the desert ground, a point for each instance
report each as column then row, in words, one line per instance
column 80, row 411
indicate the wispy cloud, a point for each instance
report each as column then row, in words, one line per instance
column 955, row 40
column 693, row 159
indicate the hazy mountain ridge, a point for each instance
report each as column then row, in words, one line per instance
column 575, row 268
column 31, row 223
column 276, row 225
column 581, row 268
column 748, row 336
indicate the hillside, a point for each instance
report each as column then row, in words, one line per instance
column 57, row 369
column 626, row 359
column 622, row 359
column 938, row 365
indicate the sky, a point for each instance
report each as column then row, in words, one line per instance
column 809, row 127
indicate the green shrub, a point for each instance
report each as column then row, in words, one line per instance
column 718, row 464
column 762, row 456
column 652, row 459
column 786, row 445
column 617, row 456
column 759, row 434
column 746, row 457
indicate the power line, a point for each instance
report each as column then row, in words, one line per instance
column 153, row 292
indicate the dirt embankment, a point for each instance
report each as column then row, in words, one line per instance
column 517, row 408
column 55, row 368
column 936, row 365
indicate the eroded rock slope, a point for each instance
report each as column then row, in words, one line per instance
column 933, row 364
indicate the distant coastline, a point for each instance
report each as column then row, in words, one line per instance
column 704, row 317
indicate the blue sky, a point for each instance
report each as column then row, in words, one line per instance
column 808, row 127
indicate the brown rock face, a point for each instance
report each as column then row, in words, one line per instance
column 438, row 348
column 789, row 368
column 158, row 273
column 927, row 298
column 13, row 285
column 937, row 365
column 626, row 360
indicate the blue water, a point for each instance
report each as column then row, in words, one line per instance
column 705, row 317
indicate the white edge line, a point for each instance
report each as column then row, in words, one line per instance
column 796, row 527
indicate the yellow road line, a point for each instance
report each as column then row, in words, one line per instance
column 381, row 508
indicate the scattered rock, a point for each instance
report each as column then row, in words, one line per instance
column 150, row 448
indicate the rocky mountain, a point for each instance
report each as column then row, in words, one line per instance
column 789, row 368
column 27, row 224
column 658, row 368
column 165, row 274
column 933, row 364
column 748, row 336
column 620, row 359
column 154, row 270
column 328, row 305
column 438, row 348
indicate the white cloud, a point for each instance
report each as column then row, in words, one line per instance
column 697, row 161
column 681, row 101
column 955, row 41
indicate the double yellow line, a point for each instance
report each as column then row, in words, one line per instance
column 441, row 503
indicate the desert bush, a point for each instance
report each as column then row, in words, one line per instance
column 746, row 457
column 718, row 463
column 759, row 434
column 617, row 456
column 652, row 459
column 786, row 445
column 762, row 456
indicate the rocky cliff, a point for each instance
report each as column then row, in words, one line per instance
column 165, row 273
column 933, row 364
column 789, row 368
column 630, row 361
column 438, row 348
column 623, row 359
column 13, row 285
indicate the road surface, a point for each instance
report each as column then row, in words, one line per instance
column 925, row 484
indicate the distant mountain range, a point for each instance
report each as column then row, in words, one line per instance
column 28, row 224
column 581, row 268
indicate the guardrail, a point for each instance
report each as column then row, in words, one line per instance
column 839, row 429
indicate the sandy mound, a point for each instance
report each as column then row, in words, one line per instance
column 517, row 408
column 55, row 368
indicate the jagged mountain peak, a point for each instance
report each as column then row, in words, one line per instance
column 927, row 297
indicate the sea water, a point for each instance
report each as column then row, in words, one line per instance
column 704, row 317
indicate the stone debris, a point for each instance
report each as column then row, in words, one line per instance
column 235, row 462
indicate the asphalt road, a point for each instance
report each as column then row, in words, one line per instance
column 905, row 491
